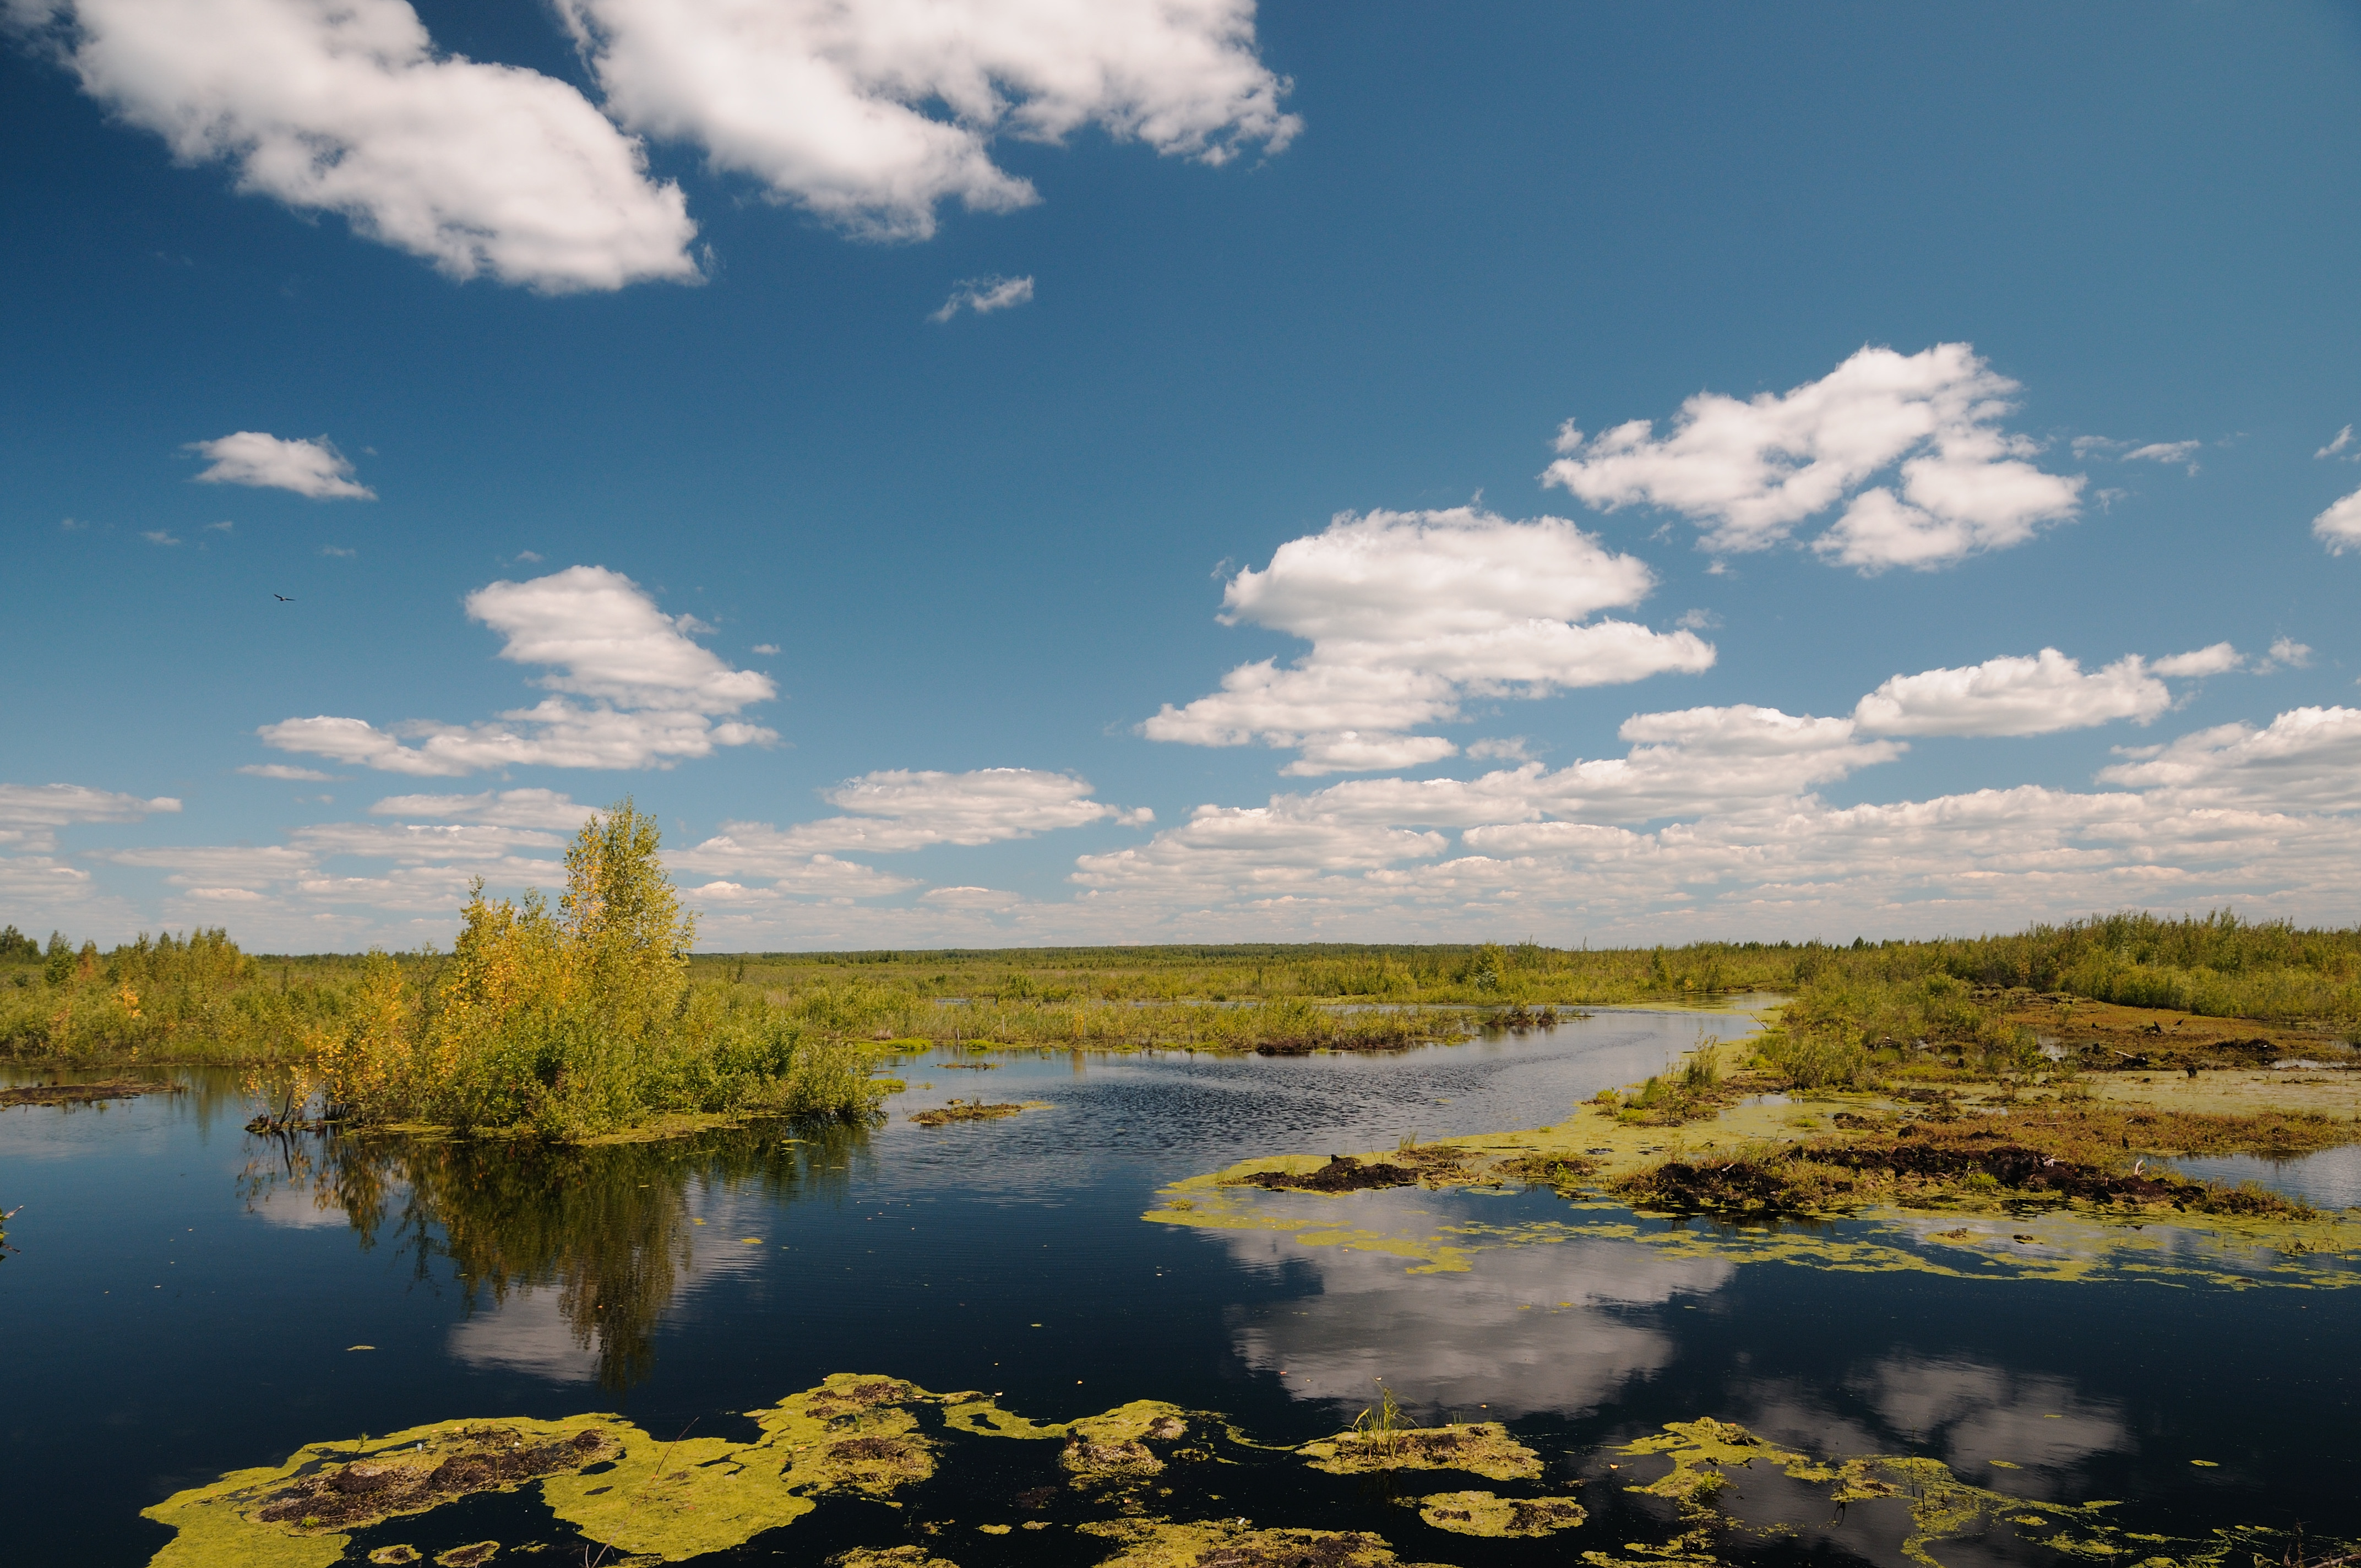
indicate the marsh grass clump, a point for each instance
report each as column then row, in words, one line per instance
column 1695, row 1089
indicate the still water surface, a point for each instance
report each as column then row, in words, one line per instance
column 184, row 1295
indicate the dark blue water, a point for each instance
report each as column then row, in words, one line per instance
column 184, row 1298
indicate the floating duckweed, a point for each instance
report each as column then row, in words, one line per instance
column 1480, row 1448
column 468, row 1556
column 677, row 1500
column 1483, row 1513
column 1162, row 1543
column 670, row 1501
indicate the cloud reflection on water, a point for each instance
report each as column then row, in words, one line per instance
column 528, row 1331
column 1526, row 1330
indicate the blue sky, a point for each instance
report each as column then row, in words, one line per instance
column 1301, row 325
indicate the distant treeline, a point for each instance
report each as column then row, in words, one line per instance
column 199, row 998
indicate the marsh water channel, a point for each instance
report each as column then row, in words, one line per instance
column 186, row 1300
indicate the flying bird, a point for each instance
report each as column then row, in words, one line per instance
column 282, row 599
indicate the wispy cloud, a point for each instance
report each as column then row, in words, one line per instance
column 984, row 295
column 2343, row 439
column 285, row 770
column 314, row 468
column 2285, row 653
column 2164, row 452
column 158, row 536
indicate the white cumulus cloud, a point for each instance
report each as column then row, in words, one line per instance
column 2339, row 527
column 1750, row 471
column 872, row 116
column 608, row 640
column 347, row 106
column 984, row 295
column 1409, row 614
column 2017, row 695
column 656, row 694
column 314, row 468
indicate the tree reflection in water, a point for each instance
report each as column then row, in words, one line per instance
column 608, row 1227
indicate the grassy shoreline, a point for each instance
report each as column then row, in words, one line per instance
column 594, row 1015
